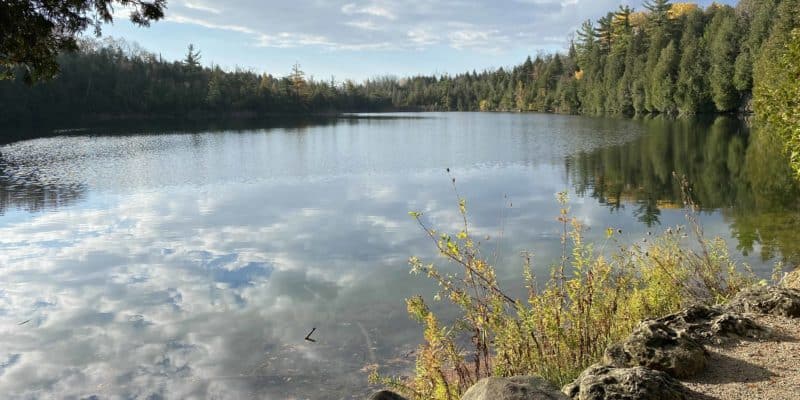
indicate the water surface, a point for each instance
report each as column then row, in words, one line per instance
column 191, row 263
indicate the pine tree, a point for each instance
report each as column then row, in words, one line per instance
column 605, row 32
column 527, row 70
column 587, row 40
column 659, row 12
column 193, row 58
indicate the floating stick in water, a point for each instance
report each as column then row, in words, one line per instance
column 308, row 337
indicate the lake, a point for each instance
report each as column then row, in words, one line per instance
column 143, row 261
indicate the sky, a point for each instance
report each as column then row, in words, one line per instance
column 360, row 39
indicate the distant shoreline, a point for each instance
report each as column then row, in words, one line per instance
column 136, row 123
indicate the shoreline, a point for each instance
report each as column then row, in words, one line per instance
column 57, row 125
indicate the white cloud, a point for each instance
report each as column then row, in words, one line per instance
column 372, row 9
column 181, row 19
column 201, row 7
column 365, row 25
column 471, row 38
column 399, row 25
column 287, row 39
column 422, row 37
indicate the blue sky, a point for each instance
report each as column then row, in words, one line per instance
column 359, row 39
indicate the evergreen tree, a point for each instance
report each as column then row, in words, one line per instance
column 587, row 40
column 755, row 21
column 664, row 77
column 659, row 12
column 723, row 39
column 692, row 92
column 605, row 32
column 214, row 96
column 568, row 97
column 776, row 80
column 193, row 57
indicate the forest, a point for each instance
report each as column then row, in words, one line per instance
column 670, row 58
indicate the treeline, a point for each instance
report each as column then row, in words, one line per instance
column 113, row 78
column 667, row 58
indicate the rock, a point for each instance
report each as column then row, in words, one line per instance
column 781, row 301
column 712, row 324
column 730, row 325
column 792, row 279
column 514, row 388
column 601, row 382
column 655, row 345
column 386, row 395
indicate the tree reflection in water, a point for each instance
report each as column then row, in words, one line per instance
column 732, row 166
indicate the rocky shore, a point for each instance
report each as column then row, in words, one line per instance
column 745, row 349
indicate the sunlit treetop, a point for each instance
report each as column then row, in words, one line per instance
column 680, row 9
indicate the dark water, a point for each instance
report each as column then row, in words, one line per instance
column 191, row 263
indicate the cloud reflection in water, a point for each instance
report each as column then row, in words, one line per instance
column 192, row 266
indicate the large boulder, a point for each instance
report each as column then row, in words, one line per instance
column 386, row 395
column 602, row 382
column 514, row 388
column 712, row 324
column 781, row 301
column 656, row 346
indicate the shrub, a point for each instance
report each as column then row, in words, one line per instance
column 589, row 301
column 777, row 91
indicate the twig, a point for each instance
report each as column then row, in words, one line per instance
column 308, row 337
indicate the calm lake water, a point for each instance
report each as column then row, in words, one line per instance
column 164, row 262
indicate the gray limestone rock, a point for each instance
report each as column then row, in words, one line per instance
column 601, row 382
column 781, row 301
column 514, row 388
column 712, row 324
column 655, row 345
